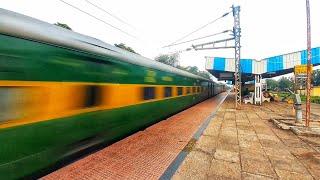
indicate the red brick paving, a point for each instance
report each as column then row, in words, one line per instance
column 144, row 155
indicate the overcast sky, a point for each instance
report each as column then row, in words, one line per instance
column 269, row 27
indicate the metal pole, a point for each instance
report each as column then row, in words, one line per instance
column 237, row 74
column 309, row 64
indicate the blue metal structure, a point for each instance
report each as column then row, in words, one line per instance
column 224, row 68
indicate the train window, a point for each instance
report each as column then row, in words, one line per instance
column 193, row 89
column 198, row 89
column 12, row 99
column 92, row 96
column 148, row 93
column 188, row 90
column 167, row 91
column 179, row 90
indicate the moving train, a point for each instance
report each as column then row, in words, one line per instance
column 62, row 92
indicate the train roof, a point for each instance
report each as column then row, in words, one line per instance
column 18, row 25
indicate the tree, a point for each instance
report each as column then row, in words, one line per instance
column 173, row 60
column 316, row 77
column 169, row 59
column 63, row 25
column 204, row 74
column 285, row 83
column 272, row 84
column 195, row 70
column 127, row 48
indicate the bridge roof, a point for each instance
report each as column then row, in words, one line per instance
column 223, row 68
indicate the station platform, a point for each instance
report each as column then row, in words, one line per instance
column 244, row 144
column 208, row 141
column 147, row 154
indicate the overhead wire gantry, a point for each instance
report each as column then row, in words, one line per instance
column 237, row 47
column 217, row 45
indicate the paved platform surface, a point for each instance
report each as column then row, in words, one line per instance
column 283, row 109
column 245, row 145
column 146, row 154
column 315, row 108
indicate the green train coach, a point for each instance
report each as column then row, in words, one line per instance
column 62, row 92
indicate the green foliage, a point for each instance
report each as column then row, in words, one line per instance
column 204, row 74
column 316, row 77
column 283, row 94
column 173, row 60
column 169, row 59
column 285, row 83
column 314, row 99
column 272, row 84
column 190, row 69
column 63, row 25
column 127, row 48
column 195, row 70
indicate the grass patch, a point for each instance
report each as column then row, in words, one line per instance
column 314, row 99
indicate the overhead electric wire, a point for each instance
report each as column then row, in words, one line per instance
column 180, row 51
column 98, row 19
column 203, row 37
column 214, row 42
column 198, row 29
column 109, row 13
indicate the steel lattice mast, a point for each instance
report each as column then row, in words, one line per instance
column 237, row 73
column 309, row 64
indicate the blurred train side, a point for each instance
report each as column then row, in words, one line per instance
column 62, row 92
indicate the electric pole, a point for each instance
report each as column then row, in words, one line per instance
column 237, row 73
column 308, row 64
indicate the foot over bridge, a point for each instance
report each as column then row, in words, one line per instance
column 223, row 68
